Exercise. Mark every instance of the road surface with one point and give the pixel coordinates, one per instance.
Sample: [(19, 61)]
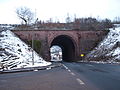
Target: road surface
[(102, 76), (70, 76)]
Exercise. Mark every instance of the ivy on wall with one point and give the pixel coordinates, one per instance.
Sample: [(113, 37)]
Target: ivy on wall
[(36, 45)]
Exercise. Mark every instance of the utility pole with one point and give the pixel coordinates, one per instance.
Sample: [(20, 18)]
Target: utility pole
[(33, 39), (32, 49)]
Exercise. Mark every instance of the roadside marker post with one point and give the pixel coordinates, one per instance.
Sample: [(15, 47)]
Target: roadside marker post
[(82, 55)]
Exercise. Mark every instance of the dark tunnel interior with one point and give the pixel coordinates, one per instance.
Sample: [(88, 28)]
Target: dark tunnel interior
[(67, 46)]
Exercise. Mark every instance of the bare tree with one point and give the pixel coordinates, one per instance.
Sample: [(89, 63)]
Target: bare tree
[(25, 14)]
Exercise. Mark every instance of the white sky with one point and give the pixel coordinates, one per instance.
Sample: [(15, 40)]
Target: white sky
[(58, 9)]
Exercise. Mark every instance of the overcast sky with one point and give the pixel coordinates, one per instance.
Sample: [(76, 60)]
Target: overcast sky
[(58, 9)]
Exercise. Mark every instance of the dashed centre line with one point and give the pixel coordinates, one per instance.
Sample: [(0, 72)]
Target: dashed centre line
[(69, 70), (72, 73), (90, 65), (78, 80), (65, 66)]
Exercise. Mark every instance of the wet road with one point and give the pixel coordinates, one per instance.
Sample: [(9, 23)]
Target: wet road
[(70, 76), (102, 76)]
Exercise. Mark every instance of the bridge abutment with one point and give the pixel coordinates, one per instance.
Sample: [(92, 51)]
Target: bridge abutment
[(45, 49), (75, 43)]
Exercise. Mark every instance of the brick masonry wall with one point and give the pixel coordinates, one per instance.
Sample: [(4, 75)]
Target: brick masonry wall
[(84, 40)]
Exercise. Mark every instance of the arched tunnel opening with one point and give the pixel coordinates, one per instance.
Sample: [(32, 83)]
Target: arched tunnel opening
[(67, 45), (56, 53)]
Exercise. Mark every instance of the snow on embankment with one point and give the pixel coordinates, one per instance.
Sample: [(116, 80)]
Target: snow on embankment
[(108, 49), (16, 54)]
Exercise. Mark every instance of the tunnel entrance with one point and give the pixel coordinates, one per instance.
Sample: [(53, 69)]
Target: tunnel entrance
[(67, 45), (56, 53)]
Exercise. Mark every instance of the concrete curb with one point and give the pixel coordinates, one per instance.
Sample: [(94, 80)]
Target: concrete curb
[(53, 65)]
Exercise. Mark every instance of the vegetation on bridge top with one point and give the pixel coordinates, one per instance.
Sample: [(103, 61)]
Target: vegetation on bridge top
[(30, 22), (77, 24)]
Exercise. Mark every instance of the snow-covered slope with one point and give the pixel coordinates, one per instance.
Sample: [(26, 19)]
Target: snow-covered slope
[(108, 49), (16, 54)]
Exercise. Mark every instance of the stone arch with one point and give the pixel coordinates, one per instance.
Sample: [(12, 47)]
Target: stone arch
[(67, 45)]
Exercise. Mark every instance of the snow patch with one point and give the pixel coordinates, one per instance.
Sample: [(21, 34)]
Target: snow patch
[(108, 49), (16, 54)]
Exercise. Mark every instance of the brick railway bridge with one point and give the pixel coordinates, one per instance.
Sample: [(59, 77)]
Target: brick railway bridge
[(72, 42)]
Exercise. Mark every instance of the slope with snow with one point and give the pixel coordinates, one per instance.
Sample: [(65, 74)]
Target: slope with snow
[(14, 53), (108, 49)]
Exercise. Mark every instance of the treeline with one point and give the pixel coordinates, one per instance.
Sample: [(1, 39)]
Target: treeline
[(93, 24), (88, 23), (29, 20), (77, 24)]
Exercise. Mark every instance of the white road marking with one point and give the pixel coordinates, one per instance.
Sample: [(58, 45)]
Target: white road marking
[(89, 65), (72, 73), (69, 70), (65, 66), (80, 81)]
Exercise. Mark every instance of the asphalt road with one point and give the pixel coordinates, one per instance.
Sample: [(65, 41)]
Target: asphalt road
[(70, 76), (102, 76)]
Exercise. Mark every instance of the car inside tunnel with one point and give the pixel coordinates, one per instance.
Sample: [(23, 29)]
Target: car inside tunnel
[(67, 46)]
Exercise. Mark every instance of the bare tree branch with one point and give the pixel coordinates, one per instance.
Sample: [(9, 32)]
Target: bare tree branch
[(25, 14)]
